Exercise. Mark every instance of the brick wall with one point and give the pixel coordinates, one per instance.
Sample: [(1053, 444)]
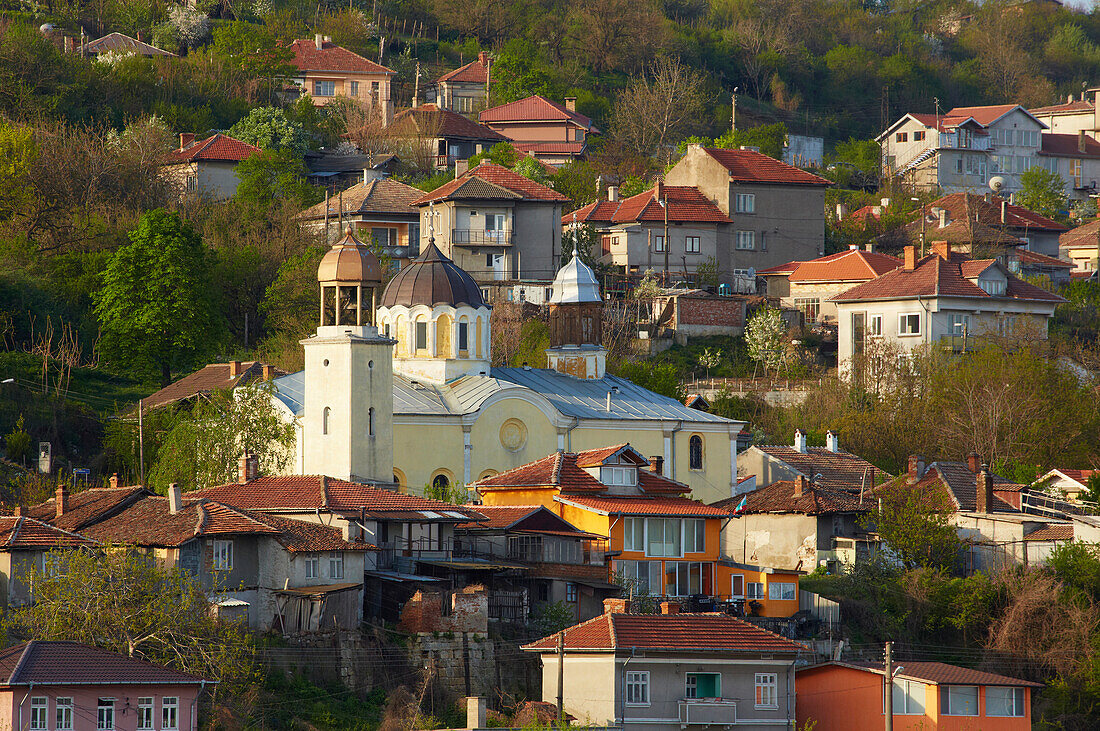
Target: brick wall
[(710, 315), (423, 612)]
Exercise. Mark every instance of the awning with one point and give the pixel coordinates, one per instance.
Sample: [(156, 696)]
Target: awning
[(472, 564), (563, 533), (319, 590), (596, 584), (399, 577)]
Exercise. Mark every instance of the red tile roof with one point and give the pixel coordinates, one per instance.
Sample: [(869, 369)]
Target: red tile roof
[(536, 109), (838, 470), (971, 218), (551, 148), (1078, 105), (215, 148), (1065, 145), (1087, 234), (1033, 257), (475, 72), (951, 486), (691, 632), (149, 522), (331, 57), (60, 663), (206, 380), (685, 204), (87, 506), (778, 497), (429, 121), (500, 517), (1052, 532), (1081, 476), (643, 505), (27, 533), (746, 166), (854, 265), (309, 493), (561, 470), (984, 116), (778, 270), (300, 535), (937, 673), (497, 177), (935, 276)]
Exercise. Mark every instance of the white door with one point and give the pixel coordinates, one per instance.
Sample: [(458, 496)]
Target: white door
[(494, 228), (498, 266)]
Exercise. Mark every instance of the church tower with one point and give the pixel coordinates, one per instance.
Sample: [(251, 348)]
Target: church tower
[(576, 313), (348, 421)]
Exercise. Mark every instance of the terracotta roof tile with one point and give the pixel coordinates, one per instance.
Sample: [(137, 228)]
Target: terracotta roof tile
[(22, 532), (501, 178), (429, 121), (952, 486), (698, 632), (561, 470), (122, 43), (1052, 532), (1066, 145), (984, 116), (971, 218), (535, 109), (331, 57), (685, 204), (149, 522), (848, 266), (475, 72), (551, 148), (1081, 476), (779, 270), (1079, 105), (215, 148), (302, 536), (87, 506), (931, 672), (643, 505), (1087, 234), (838, 470), (385, 197), (1033, 257), (60, 663), (755, 167), (778, 497), (206, 380)]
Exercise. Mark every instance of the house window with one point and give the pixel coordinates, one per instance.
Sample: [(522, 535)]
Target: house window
[(695, 452), (324, 88), (960, 324), (105, 714), (463, 336), (754, 590), (908, 698), (780, 590), (663, 537), (737, 585), (637, 688), (918, 136), (571, 593), (992, 287), (684, 578), (810, 307), (901, 137), (1075, 172), (40, 710), (646, 575), (703, 685), (746, 240), (692, 244), (958, 165), (223, 555), (1028, 137), (767, 695), (658, 243), (169, 712), (374, 87), (145, 713), (959, 700), (192, 183), (313, 567), (909, 324), (744, 203), (763, 240), (324, 419), (627, 476), (1001, 701), (421, 336), (336, 566), (874, 325), (634, 534), (354, 88), (63, 712), (695, 536)]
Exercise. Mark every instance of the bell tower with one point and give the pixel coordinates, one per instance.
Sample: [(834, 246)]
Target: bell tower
[(576, 314), (348, 420)]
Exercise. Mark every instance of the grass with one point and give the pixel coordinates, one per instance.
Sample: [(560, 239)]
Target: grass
[(102, 391)]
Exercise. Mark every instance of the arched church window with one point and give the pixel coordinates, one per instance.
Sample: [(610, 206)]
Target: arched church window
[(695, 452), (324, 419), (370, 421), (441, 482)]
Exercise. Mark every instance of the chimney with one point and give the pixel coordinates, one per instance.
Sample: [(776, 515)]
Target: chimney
[(269, 372), (910, 258), (17, 511), (984, 488), (801, 486), (328, 39), (318, 40), (141, 36), (659, 189), (62, 500), (234, 368), (252, 467), (670, 607), (616, 605), (571, 103), (613, 193), (1081, 137), (483, 58), (461, 166), (943, 217), (174, 498), (877, 211), (884, 202), (475, 710), (841, 211), (831, 441), (242, 470), (70, 44), (973, 461), (1069, 99), (186, 138), (916, 467), (1004, 210), (657, 464), (114, 480), (942, 249), (853, 247), (799, 441)]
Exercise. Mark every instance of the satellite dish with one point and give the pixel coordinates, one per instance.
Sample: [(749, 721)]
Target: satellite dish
[(996, 183)]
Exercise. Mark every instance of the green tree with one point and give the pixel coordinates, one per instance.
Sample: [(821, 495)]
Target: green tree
[(582, 240), (1092, 488), (519, 72), (270, 129), (17, 443), (770, 138), (18, 153), (125, 602), (532, 169), (766, 338), (917, 530), (270, 177), (502, 153), (254, 50), (155, 307), (1043, 192), (205, 444), (662, 378)]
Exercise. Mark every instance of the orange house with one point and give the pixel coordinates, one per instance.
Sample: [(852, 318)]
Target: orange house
[(326, 71), (662, 542), (927, 695)]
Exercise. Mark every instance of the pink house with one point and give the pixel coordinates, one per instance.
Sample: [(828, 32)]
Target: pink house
[(72, 687)]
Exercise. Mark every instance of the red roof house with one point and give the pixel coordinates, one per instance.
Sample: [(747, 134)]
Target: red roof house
[(326, 70), (208, 167), (463, 90), (552, 132)]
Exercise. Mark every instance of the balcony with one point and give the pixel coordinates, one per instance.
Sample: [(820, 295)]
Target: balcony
[(707, 711), (477, 237)]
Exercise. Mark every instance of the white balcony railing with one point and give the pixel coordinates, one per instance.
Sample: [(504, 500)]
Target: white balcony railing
[(706, 711)]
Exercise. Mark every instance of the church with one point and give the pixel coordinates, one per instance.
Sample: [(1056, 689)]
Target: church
[(398, 385)]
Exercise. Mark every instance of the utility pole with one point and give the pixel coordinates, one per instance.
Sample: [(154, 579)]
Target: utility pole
[(889, 686), (561, 676), (664, 204), (141, 444), (733, 109)]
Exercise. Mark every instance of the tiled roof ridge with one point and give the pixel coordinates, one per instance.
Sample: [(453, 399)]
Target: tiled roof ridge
[(15, 531), (559, 462), (611, 629), (200, 516), (23, 658)]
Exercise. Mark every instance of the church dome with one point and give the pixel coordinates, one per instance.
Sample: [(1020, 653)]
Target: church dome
[(432, 279), (576, 282), (349, 260)]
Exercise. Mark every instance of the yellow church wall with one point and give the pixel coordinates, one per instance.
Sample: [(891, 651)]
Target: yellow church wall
[(509, 434), (420, 449)]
